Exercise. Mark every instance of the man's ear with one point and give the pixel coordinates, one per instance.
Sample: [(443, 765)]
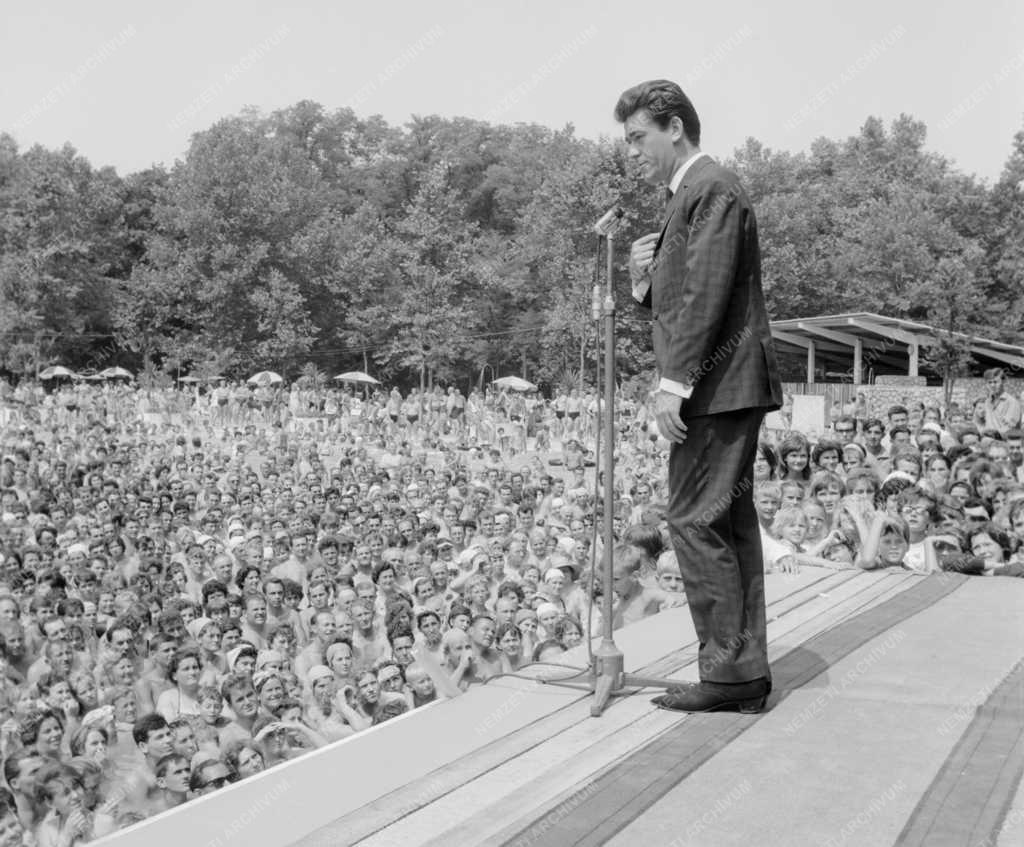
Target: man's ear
[(675, 126)]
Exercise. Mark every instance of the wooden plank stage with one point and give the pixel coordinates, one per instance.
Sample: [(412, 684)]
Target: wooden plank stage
[(897, 717)]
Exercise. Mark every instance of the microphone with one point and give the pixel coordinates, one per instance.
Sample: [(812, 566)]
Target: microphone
[(610, 221)]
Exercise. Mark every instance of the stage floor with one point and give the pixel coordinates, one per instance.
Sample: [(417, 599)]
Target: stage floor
[(897, 717)]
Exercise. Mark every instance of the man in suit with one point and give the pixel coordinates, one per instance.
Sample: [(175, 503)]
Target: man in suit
[(701, 277)]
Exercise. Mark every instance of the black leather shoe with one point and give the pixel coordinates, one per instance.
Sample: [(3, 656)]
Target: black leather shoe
[(746, 697)]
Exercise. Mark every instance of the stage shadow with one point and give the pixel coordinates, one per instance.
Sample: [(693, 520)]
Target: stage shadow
[(799, 668)]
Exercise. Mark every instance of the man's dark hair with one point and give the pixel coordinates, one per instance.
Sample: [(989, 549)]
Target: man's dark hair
[(164, 764), (146, 725), (380, 568), (399, 630), (235, 683), (647, 538), (510, 587), (663, 100), (211, 587)]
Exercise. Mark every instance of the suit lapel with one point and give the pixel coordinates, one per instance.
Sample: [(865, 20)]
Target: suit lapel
[(670, 213), (676, 203)]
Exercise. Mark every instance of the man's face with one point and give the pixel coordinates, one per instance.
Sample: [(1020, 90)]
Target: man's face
[(245, 702), (214, 777), (184, 741), (845, 431), (8, 610), (164, 653), (256, 611), (60, 657), (482, 633), (275, 595), (27, 770), (900, 439), (898, 419), (326, 626), (431, 630), (1015, 451), (651, 147), (175, 778), (995, 386), (505, 610), (402, 650), (363, 616), (158, 744)]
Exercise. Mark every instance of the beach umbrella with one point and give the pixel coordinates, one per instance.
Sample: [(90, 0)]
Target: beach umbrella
[(55, 371), (514, 383), (116, 373), (357, 376), (265, 378)]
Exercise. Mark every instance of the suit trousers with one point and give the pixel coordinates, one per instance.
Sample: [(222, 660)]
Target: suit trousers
[(714, 531)]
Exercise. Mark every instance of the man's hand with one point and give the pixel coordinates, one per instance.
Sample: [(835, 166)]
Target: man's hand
[(666, 413), (641, 256)]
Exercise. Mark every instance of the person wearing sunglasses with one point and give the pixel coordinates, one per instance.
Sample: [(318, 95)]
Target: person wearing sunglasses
[(210, 776)]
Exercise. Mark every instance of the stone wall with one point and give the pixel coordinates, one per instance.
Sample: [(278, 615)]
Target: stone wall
[(891, 391)]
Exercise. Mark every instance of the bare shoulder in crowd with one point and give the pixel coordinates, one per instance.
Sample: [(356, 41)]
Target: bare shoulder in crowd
[(202, 581)]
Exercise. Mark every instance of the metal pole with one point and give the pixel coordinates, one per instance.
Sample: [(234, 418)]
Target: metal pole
[(609, 436), (609, 676), (608, 659)]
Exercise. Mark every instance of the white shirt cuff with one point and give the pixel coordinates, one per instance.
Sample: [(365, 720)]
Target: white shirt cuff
[(673, 387), (640, 289)]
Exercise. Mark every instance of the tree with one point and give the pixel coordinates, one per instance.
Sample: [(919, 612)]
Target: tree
[(60, 247), (956, 305), (1006, 253)]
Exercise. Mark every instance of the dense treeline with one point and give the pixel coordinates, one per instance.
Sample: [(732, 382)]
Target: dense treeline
[(448, 245)]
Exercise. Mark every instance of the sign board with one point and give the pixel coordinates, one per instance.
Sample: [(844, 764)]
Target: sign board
[(809, 413)]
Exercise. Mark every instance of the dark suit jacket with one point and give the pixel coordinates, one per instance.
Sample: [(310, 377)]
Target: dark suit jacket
[(710, 323)]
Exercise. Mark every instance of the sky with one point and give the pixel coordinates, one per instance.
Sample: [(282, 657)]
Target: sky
[(127, 83)]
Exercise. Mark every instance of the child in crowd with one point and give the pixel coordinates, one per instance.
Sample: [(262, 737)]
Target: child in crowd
[(271, 579)]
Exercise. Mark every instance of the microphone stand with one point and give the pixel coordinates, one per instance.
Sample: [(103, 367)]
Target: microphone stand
[(608, 677)]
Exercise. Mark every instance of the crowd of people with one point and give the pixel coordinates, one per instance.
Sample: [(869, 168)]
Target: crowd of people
[(200, 583)]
